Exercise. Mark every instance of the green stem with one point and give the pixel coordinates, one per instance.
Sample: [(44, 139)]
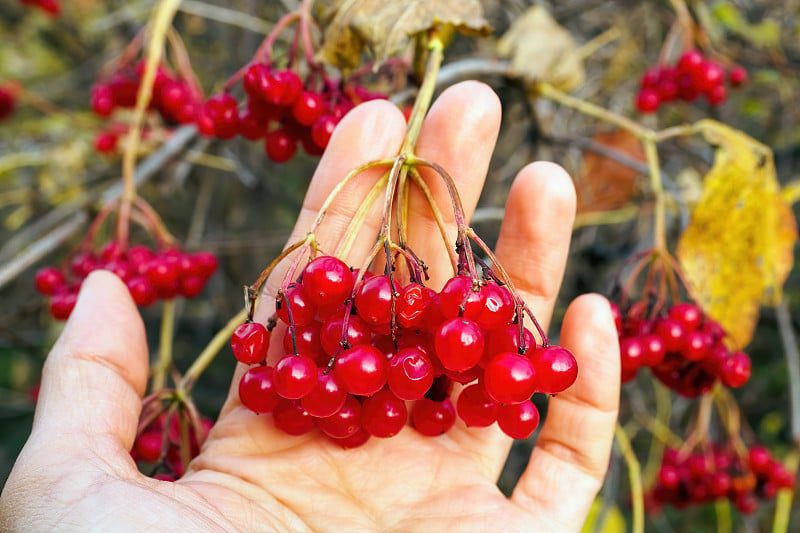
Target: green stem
[(210, 352), (164, 346), (635, 477), (722, 508), (661, 421), (360, 216), (651, 153), (437, 215), (783, 505), (425, 94)]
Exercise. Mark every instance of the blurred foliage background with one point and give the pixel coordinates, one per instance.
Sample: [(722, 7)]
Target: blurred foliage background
[(227, 197)]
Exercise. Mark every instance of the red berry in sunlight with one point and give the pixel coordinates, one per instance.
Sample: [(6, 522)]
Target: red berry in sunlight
[(330, 335), (141, 290), (344, 422), (374, 300), (458, 299), (105, 142), (411, 304), (735, 370), (653, 350), (308, 108), (499, 307), (326, 397), (303, 310), (102, 100), (433, 418), (257, 389), (510, 378), (691, 62), (476, 407), (327, 280), (631, 353), (410, 374), (519, 420), (249, 342), (648, 101), (459, 344), (322, 130), (737, 76), (294, 376), (290, 417), (689, 315), (507, 340), (672, 333), (383, 414), (556, 369), (717, 95), (49, 280), (280, 146), (361, 370)]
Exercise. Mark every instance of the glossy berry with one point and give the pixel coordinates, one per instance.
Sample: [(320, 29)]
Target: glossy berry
[(361, 370), (457, 298), (410, 374), (48, 280), (344, 422), (383, 414), (327, 281), (326, 397), (374, 300), (257, 389), (249, 342), (459, 344), (518, 421), (510, 378), (295, 376), (280, 145), (290, 417), (556, 369), (476, 407), (433, 418), (648, 101)]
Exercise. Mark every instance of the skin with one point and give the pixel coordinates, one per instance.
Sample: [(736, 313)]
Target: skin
[(75, 471)]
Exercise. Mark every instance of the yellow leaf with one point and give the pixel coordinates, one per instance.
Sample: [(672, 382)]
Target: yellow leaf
[(383, 28), (738, 247), (542, 50), (612, 521)]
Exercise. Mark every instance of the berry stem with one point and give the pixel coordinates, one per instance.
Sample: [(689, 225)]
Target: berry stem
[(651, 154), (211, 350), (416, 178), (634, 476), (255, 288), (166, 335), (264, 52), (722, 510), (160, 231), (425, 94), (358, 219), (520, 301)]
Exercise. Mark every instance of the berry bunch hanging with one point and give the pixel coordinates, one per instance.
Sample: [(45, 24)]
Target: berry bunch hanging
[(51, 7), (684, 349), (719, 473), (281, 107), (693, 75)]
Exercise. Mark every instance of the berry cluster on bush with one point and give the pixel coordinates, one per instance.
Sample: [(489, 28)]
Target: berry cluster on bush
[(720, 473), (282, 109), (149, 274), (174, 99), (684, 349), (358, 349), (160, 442), (693, 75), (51, 7)]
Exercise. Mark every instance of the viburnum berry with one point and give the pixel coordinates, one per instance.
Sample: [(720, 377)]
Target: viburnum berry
[(459, 344), (362, 370), (556, 369), (294, 376), (326, 397), (327, 280), (290, 417), (518, 420), (249, 342), (510, 378), (410, 374), (345, 422), (433, 418), (476, 407), (257, 389), (383, 414), (48, 280)]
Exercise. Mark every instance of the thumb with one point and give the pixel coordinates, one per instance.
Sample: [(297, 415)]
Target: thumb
[(95, 376)]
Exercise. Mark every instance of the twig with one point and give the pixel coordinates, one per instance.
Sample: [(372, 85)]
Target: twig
[(227, 16), (789, 341), (635, 477), (28, 254)]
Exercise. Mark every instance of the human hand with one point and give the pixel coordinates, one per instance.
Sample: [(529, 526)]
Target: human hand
[(76, 472)]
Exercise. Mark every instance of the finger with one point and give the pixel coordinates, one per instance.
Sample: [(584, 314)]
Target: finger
[(534, 239), (532, 248), (571, 456), (459, 134), (371, 131), (95, 376)]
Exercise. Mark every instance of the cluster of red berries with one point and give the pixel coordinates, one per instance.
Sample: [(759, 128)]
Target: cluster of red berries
[(51, 7), (721, 473), (693, 75), (684, 349), (282, 109), (174, 99), (7, 103), (150, 275), (358, 350), (149, 446)]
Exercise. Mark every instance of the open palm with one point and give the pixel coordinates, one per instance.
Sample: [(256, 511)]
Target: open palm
[(75, 472)]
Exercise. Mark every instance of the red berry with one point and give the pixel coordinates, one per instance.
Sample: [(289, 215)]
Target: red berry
[(476, 407), (556, 369), (49, 280), (326, 397), (307, 341), (458, 299), (303, 310), (280, 146), (308, 108), (373, 300), (433, 418), (689, 315), (361, 370), (249, 342), (327, 280), (510, 378), (410, 374), (290, 417), (648, 101), (737, 76), (411, 304), (384, 414), (499, 307), (257, 389), (518, 420), (691, 62), (62, 304), (343, 423), (295, 376), (358, 332), (141, 290), (102, 100), (148, 446), (459, 344), (322, 130)]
